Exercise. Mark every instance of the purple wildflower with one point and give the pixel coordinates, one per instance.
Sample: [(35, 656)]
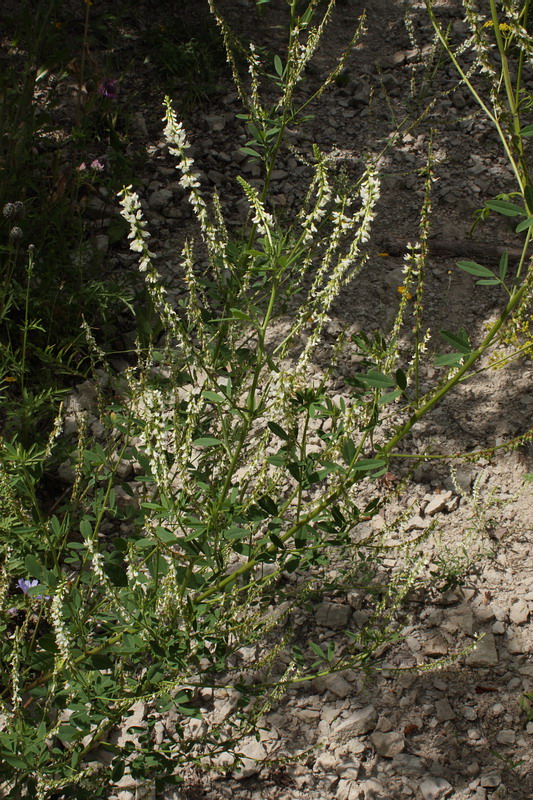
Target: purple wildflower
[(25, 586), (108, 88)]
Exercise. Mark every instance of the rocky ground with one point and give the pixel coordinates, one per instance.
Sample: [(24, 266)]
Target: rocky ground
[(456, 731)]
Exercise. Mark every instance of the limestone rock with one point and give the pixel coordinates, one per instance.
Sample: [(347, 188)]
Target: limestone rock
[(160, 199), (388, 745), (338, 686), (435, 788), (437, 503), (444, 711), (484, 654), (360, 722), (333, 615), (519, 612), (349, 790)]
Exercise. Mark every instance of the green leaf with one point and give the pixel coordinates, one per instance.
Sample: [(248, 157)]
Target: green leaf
[(526, 223), (376, 379), (277, 460), (527, 131), (167, 537), (460, 341), (207, 441), (35, 569), (504, 261), (249, 151), (327, 468), (389, 397), (489, 282), (238, 314), (48, 643), (118, 766), (214, 397), (506, 208), (278, 66), (366, 464), (449, 359), (236, 533), (278, 430), (401, 379), (475, 269), (14, 761), (116, 574), (277, 541), (268, 505), (86, 529), (68, 733), (348, 451), (317, 650)]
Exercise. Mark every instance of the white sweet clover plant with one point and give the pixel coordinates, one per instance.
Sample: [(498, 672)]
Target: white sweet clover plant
[(250, 478)]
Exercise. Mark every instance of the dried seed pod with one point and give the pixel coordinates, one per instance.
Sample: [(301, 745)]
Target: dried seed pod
[(15, 234)]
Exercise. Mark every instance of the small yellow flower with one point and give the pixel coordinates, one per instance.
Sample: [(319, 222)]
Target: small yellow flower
[(403, 290), (503, 26), (384, 255), (10, 379)]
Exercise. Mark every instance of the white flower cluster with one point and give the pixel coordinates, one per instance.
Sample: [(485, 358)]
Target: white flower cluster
[(97, 560), (178, 144), (168, 593), (320, 297), (155, 439), (324, 192), (262, 219), (180, 477), (300, 54), (16, 697), (131, 211), (481, 44), (58, 623), (254, 68), (137, 578)]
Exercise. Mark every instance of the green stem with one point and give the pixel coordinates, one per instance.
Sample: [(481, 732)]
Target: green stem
[(466, 80), (459, 375), (26, 318)]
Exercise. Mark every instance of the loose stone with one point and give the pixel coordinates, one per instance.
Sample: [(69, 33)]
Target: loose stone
[(519, 612), (435, 788), (444, 710), (358, 723), (484, 654), (491, 779), (333, 615), (506, 737), (388, 745)]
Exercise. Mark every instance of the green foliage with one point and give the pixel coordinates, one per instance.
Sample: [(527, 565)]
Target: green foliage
[(227, 480), (190, 57), (54, 120)]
